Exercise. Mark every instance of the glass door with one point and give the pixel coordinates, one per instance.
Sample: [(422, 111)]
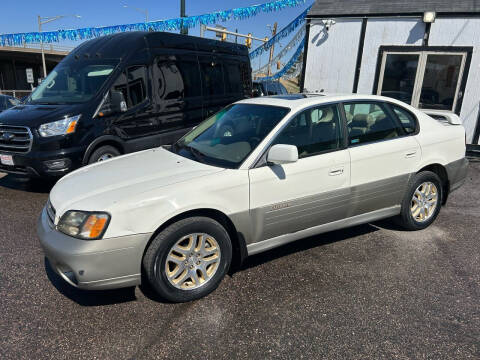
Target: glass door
[(424, 79), (441, 81)]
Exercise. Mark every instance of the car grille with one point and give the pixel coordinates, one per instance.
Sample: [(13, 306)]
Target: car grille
[(51, 213), (17, 139)]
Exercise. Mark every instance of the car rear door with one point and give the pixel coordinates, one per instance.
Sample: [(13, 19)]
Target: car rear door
[(383, 156), (310, 192)]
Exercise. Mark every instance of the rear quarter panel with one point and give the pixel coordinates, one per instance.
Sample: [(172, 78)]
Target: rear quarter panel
[(440, 143)]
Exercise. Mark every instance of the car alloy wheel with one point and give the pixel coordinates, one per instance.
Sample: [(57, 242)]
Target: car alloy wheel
[(192, 261), (105, 157), (424, 201)]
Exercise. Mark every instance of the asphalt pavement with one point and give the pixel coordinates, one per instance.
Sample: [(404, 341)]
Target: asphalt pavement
[(372, 291)]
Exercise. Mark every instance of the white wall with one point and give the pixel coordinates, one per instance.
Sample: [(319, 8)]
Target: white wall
[(463, 32), (384, 32), (332, 56)]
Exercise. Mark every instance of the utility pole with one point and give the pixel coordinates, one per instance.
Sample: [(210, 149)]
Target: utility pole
[(183, 29), (46, 20), (274, 32)]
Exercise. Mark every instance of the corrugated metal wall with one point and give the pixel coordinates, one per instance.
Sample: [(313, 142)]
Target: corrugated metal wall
[(332, 56), (386, 32), (463, 32)]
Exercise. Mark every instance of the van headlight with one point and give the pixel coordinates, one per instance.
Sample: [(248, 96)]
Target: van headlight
[(84, 225), (60, 127)]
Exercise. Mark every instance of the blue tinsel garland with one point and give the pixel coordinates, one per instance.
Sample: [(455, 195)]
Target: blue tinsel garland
[(288, 65), (281, 34), (161, 25)]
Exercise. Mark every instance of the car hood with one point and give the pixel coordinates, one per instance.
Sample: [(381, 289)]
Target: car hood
[(36, 115), (100, 186)]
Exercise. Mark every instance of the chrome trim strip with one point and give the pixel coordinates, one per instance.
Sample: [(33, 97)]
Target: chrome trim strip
[(339, 224), (25, 149)]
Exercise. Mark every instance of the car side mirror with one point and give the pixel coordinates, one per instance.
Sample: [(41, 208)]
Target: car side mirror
[(117, 102), (282, 154)]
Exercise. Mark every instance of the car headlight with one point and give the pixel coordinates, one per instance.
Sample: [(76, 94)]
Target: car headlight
[(60, 127), (84, 224)]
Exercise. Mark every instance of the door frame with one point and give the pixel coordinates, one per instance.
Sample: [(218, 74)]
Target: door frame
[(423, 52)]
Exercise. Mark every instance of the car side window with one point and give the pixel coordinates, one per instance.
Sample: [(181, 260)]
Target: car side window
[(406, 119), (177, 79), (313, 131), (132, 84), (233, 79), (368, 122), (212, 78)]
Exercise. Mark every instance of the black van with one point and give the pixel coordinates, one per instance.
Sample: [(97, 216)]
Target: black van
[(121, 93)]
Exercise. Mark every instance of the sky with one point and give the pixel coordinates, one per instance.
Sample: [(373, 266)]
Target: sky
[(22, 16)]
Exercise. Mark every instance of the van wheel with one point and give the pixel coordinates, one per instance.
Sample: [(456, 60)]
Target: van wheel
[(422, 201), (188, 259), (103, 153)]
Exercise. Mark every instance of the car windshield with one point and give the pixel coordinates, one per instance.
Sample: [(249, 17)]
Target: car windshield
[(228, 137), (73, 82)]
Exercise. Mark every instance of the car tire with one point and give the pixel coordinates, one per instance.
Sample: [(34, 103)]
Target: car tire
[(103, 153), (172, 247), (418, 200)]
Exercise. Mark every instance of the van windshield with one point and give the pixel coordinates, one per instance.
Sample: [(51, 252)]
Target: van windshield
[(228, 137), (73, 82)]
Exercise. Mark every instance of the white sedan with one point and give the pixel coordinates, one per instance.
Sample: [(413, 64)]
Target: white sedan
[(259, 174)]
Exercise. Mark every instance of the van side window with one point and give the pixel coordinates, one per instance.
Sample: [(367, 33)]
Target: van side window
[(246, 79), (406, 118), (212, 78), (369, 122), (233, 79), (177, 79), (136, 85), (313, 131), (132, 84)]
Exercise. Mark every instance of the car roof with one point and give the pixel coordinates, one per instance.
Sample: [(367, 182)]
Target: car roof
[(302, 100), (122, 44)]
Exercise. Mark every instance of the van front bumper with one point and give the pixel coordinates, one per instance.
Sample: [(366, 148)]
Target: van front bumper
[(93, 264), (38, 163)]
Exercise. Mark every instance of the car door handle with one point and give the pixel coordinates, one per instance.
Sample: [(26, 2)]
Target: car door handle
[(411, 154), (336, 171)]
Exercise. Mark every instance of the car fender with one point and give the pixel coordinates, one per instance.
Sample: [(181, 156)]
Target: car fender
[(99, 140)]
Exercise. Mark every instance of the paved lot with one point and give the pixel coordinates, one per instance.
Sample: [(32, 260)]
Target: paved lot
[(367, 292)]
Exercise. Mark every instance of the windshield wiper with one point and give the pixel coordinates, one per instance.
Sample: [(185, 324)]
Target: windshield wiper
[(198, 154)]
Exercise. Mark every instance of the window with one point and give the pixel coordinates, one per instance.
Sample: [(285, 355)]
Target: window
[(228, 137), (424, 79), (406, 119), (233, 79), (399, 76), (440, 81), (73, 82), (177, 79), (132, 85), (212, 76), (367, 122), (313, 131)]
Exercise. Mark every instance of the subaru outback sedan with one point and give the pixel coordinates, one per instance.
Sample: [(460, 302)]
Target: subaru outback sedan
[(259, 174)]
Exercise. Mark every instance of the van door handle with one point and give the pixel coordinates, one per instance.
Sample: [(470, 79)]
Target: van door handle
[(411, 154), (336, 171)]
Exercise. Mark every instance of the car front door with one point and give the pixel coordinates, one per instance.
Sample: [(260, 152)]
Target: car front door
[(383, 155), (310, 192)]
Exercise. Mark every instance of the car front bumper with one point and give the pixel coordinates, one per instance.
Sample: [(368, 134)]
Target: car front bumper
[(34, 163), (93, 264)]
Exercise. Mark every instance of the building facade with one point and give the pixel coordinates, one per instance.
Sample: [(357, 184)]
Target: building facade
[(13, 64), (426, 53)]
